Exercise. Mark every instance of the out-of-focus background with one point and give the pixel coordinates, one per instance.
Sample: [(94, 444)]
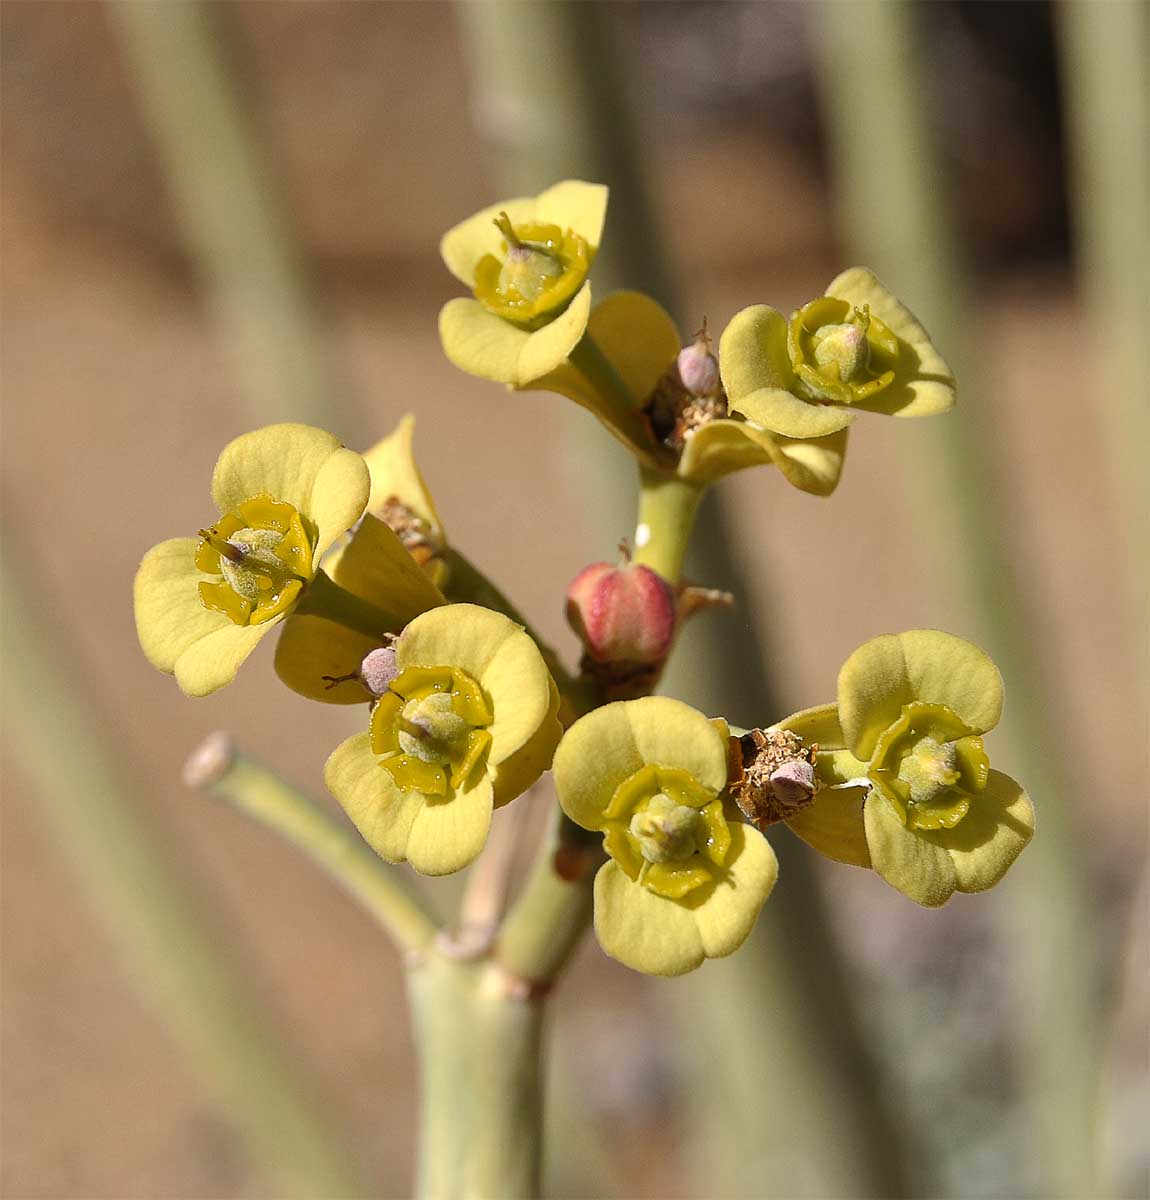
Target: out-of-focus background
[(1004, 1034)]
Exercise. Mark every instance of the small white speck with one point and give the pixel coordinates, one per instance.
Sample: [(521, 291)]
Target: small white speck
[(642, 534)]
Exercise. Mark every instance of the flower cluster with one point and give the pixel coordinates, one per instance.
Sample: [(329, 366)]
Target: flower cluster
[(464, 710)]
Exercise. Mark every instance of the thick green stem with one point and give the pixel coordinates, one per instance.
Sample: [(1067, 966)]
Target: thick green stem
[(667, 509), (478, 1035), (219, 767), (325, 598)]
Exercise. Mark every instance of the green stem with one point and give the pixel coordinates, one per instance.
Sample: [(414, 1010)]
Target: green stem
[(667, 509), (893, 210), (478, 1036), (219, 767), (554, 909), (134, 884), (466, 583), (323, 597), (224, 195)]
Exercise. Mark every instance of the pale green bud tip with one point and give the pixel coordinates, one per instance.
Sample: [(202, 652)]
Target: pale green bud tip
[(430, 729), (844, 346), (665, 830)]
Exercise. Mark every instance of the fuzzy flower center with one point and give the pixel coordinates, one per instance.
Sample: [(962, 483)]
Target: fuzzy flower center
[(666, 831), (929, 766), (540, 270), (840, 354), (430, 729), (261, 557)]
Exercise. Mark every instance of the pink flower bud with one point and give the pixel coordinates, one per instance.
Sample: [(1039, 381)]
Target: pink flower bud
[(378, 669), (622, 613), (698, 367)]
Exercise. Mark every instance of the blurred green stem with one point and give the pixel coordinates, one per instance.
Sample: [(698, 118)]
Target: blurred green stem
[(221, 188), (219, 767), (667, 509), (893, 215), (96, 819)]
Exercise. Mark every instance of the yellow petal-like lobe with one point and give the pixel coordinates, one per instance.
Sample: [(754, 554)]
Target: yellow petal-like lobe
[(833, 825), (818, 725), (516, 774), (179, 636), (753, 353), (465, 244), (489, 347), (376, 566), (546, 348), (727, 912), (307, 468), (922, 664), (784, 413), (379, 810), (916, 865), (498, 655), (643, 930), (813, 465), (212, 662), (610, 744), (311, 647), (394, 472), (169, 615), (720, 447), (447, 835), (576, 205), (923, 384), (991, 836)]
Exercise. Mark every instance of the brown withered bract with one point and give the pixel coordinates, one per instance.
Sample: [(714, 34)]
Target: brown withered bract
[(413, 531), (758, 756), (674, 413)]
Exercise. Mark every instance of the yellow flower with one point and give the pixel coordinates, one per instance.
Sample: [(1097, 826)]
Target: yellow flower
[(906, 784), (526, 261), (856, 347), (686, 878), (467, 724), (641, 342), (285, 493)]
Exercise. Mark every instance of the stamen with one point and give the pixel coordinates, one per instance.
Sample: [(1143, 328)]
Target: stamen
[(222, 546), (503, 224)]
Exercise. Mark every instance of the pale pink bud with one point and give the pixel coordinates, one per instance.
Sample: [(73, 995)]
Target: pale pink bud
[(794, 782), (622, 613), (378, 669), (699, 368)]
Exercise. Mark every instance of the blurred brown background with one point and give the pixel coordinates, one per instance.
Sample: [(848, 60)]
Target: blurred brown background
[(118, 396)]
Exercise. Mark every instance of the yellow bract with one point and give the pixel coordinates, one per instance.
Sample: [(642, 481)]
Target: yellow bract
[(686, 878), (285, 493), (468, 724), (906, 784), (526, 261)]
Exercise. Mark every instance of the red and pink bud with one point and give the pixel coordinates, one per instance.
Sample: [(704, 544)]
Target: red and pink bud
[(623, 613)]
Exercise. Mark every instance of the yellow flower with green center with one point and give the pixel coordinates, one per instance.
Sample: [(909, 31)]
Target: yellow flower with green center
[(905, 782), (686, 877), (856, 347), (641, 341), (468, 723), (526, 261), (285, 493)]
